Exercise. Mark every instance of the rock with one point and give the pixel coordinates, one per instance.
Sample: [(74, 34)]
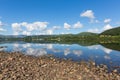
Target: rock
[(115, 71), (17, 66)]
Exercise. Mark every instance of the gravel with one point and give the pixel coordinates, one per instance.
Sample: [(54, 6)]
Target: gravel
[(17, 66)]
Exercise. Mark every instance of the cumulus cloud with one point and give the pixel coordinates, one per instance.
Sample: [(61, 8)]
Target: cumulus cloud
[(30, 26), (74, 26), (16, 27), (107, 20), (36, 26), (106, 27), (89, 14), (93, 30), (26, 33), (27, 28), (67, 26), (78, 25), (49, 32)]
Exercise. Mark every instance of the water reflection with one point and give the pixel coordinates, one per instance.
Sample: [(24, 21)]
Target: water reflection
[(107, 57), (76, 52), (94, 47), (66, 51), (27, 45), (113, 46), (107, 51), (2, 48), (36, 52)]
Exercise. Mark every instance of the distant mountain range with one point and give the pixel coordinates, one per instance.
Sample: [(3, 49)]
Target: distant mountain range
[(12, 36), (112, 32)]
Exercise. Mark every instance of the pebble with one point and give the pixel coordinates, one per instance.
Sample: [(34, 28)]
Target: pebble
[(16, 66)]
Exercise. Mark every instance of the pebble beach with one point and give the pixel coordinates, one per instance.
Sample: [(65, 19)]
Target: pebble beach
[(17, 66)]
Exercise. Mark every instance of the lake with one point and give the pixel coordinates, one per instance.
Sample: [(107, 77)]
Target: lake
[(75, 52)]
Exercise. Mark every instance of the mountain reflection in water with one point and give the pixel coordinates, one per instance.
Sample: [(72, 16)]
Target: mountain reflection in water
[(100, 53)]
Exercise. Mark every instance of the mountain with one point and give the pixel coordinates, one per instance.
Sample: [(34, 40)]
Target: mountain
[(112, 32), (87, 34), (12, 36)]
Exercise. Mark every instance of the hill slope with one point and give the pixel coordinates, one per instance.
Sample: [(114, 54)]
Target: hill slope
[(87, 34), (112, 32)]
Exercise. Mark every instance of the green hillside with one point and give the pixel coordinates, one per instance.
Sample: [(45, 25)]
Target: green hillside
[(87, 34), (112, 32)]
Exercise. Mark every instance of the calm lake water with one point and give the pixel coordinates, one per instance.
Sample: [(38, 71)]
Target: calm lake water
[(97, 53)]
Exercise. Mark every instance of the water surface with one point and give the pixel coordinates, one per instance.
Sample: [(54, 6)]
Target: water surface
[(76, 52)]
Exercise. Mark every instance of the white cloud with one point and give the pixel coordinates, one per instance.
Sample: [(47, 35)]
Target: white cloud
[(106, 27), (36, 26), (78, 25), (26, 33), (45, 32), (27, 28), (107, 20), (16, 27), (49, 32), (93, 30), (67, 26), (89, 14)]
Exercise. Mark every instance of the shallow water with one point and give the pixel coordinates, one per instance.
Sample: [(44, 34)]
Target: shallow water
[(76, 52)]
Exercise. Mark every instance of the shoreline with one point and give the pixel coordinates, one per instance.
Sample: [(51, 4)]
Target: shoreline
[(16, 65)]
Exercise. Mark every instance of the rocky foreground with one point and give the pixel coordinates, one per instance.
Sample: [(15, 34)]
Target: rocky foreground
[(16, 66)]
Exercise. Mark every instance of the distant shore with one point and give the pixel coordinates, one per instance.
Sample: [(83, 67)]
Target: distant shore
[(18, 66)]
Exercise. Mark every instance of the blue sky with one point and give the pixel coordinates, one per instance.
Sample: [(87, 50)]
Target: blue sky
[(39, 17)]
